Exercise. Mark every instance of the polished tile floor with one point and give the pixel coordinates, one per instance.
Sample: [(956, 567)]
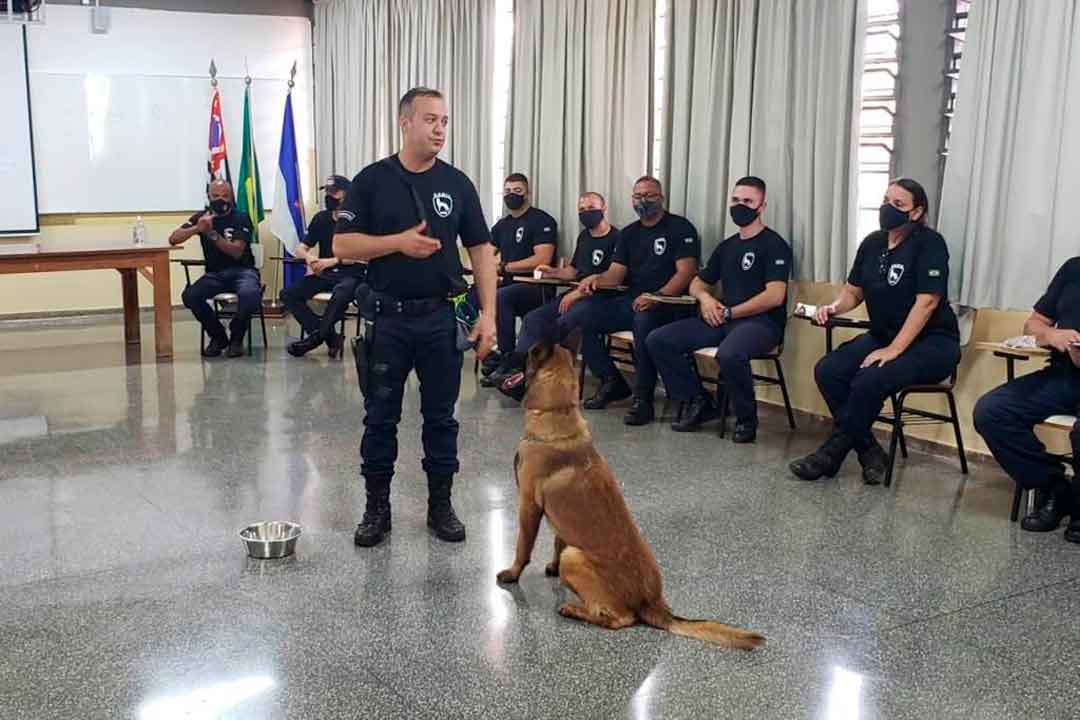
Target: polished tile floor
[(125, 592)]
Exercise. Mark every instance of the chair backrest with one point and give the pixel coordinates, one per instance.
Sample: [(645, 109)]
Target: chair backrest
[(257, 253), (965, 318)]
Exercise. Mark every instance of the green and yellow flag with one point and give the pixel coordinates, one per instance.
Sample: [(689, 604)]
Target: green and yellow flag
[(248, 191)]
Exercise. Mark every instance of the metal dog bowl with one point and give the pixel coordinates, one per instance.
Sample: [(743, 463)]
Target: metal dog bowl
[(271, 540)]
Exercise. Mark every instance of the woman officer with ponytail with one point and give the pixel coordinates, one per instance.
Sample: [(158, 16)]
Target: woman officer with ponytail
[(902, 273)]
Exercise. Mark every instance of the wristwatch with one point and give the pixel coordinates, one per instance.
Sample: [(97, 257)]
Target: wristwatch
[(727, 314)]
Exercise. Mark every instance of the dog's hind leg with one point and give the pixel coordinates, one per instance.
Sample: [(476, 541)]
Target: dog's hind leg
[(599, 605), (552, 569)]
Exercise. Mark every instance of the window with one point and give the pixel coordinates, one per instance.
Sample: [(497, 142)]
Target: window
[(878, 111), (500, 106), (659, 79), (957, 33)]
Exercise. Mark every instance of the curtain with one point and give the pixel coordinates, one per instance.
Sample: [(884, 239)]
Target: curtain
[(1010, 176), (767, 88), (580, 113), (368, 53)]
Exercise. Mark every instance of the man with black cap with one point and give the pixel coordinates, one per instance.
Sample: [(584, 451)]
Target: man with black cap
[(225, 235), (325, 273), (525, 239), (404, 215)]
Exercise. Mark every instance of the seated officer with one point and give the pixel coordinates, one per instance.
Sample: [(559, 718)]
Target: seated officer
[(325, 273), (592, 255), (657, 254), (902, 272), (1006, 417), (225, 235), (524, 240), (752, 267)]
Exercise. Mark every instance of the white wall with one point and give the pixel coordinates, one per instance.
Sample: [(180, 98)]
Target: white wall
[(121, 119)]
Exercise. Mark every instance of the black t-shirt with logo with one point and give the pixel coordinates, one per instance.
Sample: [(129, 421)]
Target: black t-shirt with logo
[(385, 198), (743, 267), (234, 226), (649, 253), (321, 232), (890, 280), (1061, 303), (593, 254), (517, 237)]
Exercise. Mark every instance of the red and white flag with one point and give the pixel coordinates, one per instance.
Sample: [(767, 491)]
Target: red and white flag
[(218, 164)]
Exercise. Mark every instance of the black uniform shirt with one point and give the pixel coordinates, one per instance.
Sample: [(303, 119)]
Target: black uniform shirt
[(1061, 303), (890, 280), (385, 198), (234, 226), (517, 237), (649, 253), (321, 232), (743, 267), (593, 254)]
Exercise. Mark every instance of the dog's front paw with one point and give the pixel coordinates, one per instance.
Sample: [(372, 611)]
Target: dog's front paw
[(508, 576)]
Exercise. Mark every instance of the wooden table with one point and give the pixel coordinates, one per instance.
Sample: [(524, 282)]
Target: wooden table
[(1012, 355), (836, 321), (670, 299), (549, 286), (92, 252)]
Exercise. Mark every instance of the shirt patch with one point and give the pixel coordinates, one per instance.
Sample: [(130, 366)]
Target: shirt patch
[(895, 273), (443, 204), (781, 261), (547, 229), (659, 245), (748, 260), (597, 257), (519, 234), (934, 273), (346, 215), (689, 240)]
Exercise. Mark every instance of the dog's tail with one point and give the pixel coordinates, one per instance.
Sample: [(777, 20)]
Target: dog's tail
[(713, 632)]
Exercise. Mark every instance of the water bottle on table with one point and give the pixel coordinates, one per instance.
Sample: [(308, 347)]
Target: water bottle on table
[(138, 231)]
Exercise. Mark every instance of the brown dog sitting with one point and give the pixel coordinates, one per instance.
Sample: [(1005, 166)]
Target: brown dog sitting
[(599, 553)]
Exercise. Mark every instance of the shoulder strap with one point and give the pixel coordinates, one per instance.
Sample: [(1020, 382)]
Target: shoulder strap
[(421, 214)]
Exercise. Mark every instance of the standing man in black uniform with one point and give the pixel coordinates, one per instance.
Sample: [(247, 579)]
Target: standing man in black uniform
[(325, 273), (525, 239), (225, 235), (404, 215), (657, 254), (752, 267)]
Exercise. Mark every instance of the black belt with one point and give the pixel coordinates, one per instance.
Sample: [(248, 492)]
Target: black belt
[(389, 305)]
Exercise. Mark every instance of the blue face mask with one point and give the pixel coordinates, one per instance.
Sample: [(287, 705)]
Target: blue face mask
[(646, 208), (890, 217)]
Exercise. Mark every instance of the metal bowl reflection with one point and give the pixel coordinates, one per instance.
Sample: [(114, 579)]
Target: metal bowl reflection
[(271, 540)]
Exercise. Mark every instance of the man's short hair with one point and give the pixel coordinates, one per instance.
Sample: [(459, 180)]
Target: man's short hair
[(220, 181), (405, 107), (752, 181), (650, 179), (593, 194), (517, 177)]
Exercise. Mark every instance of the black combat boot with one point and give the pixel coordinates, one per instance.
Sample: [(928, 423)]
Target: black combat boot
[(695, 413), (1055, 505), (875, 463), (441, 516), (826, 460), (376, 523), (612, 389)]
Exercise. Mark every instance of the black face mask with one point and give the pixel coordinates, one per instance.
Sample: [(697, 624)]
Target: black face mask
[(742, 215), (891, 218), (646, 208), (514, 201), (332, 203), (591, 218), (220, 207)]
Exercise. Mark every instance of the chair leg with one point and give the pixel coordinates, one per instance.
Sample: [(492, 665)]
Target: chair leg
[(900, 430), (722, 397), (1018, 497), (250, 331), (581, 378), (784, 392), (956, 429), (896, 438)]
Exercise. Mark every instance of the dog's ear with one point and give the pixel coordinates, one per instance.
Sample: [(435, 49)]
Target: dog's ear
[(539, 354), (573, 341)]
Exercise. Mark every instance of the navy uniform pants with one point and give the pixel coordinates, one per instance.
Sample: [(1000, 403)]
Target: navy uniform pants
[(545, 322), (340, 283), (1006, 418), (671, 349), (856, 395), (602, 315), (242, 281), (512, 300), (402, 344)]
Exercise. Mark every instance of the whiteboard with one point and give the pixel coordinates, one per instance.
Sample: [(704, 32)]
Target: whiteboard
[(18, 194), (121, 119)]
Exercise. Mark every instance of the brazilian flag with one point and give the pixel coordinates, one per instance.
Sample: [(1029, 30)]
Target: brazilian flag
[(248, 191)]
